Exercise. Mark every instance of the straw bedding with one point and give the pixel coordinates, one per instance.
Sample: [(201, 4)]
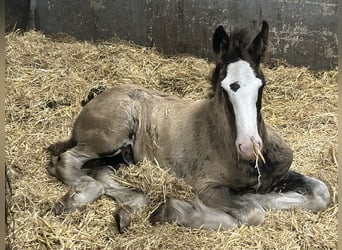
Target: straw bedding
[(47, 77)]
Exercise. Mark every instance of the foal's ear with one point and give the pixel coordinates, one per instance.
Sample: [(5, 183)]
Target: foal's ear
[(260, 42), (220, 41)]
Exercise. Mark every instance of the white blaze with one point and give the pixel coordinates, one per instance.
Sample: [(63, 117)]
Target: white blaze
[(244, 101)]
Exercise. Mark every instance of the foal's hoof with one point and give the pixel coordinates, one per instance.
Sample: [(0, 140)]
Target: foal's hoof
[(158, 215), (65, 205), (123, 219)]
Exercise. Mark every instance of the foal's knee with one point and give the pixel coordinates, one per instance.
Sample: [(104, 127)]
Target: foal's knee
[(320, 196), (255, 216)]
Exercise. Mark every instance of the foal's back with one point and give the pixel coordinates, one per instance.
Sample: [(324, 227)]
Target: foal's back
[(153, 122)]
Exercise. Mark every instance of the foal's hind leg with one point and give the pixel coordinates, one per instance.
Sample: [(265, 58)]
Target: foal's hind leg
[(296, 190), (84, 189), (129, 200)]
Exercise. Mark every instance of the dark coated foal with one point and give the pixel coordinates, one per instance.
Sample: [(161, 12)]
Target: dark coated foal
[(237, 165)]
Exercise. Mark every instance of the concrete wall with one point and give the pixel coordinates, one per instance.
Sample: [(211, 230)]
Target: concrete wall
[(16, 14), (304, 32)]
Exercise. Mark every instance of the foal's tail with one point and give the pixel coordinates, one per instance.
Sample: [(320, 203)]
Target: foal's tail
[(60, 147)]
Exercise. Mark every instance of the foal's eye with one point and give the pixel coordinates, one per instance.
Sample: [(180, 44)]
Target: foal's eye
[(234, 86)]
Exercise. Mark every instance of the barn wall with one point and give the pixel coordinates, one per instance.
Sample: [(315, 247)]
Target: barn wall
[(16, 14), (304, 32)]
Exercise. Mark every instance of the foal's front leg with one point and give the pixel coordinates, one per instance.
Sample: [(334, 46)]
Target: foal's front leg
[(217, 207), (283, 188), (296, 190), (194, 214)]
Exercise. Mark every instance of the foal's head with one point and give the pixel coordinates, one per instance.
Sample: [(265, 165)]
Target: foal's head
[(237, 74)]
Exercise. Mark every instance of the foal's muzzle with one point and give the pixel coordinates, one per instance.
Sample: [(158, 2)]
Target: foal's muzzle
[(247, 147)]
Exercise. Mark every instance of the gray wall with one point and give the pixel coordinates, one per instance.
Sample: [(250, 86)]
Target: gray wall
[(304, 32), (16, 14)]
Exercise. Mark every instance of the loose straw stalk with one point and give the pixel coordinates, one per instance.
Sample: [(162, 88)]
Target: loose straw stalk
[(258, 154)]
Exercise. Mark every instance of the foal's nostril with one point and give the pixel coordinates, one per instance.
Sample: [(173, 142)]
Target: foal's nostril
[(240, 145)]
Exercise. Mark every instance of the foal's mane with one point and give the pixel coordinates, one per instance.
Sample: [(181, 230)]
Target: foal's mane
[(239, 39)]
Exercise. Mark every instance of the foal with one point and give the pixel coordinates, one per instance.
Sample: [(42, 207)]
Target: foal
[(213, 144)]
